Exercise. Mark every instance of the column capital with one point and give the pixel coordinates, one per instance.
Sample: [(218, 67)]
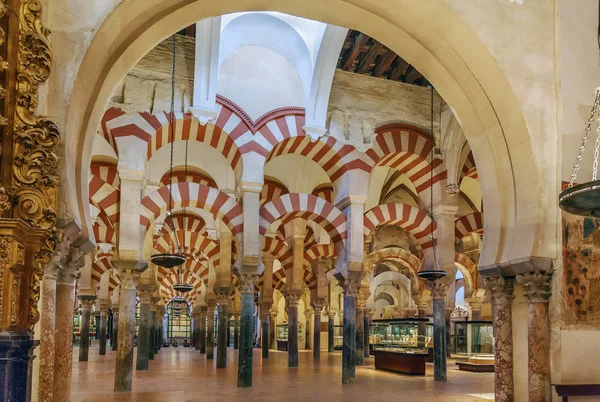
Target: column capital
[(248, 282), (475, 303), (223, 295), (293, 299), (145, 293), (129, 272), (87, 302), (71, 264), (438, 289), (308, 313), (501, 288), (537, 285), (318, 305), (350, 282)]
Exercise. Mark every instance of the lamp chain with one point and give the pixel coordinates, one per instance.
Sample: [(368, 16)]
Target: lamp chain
[(588, 128)]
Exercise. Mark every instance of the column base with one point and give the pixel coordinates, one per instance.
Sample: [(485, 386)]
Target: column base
[(15, 357)]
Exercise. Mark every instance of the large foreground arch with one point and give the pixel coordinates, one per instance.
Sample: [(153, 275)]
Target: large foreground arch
[(450, 55)]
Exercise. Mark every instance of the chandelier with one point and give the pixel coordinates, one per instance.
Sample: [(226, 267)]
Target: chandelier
[(175, 257), (436, 272), (584, 199)]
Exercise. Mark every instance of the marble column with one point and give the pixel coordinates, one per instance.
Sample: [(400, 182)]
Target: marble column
[(272, 327), (47, 332), (293, 299), (537, 289), (330, 330), (247, 282), (350, 286), (318, 310), (143, 343), (264, 320), (210, 335), (129, 275), (475, 304), (152, 330), (63, 340), (102, 327), (86, 312), (501, 296), (438, 291), (422, 325), (236, 331), (367, 325), (196, 334), (360, 332), (223, 300), (115, 327), (202, 329), (308, 315)]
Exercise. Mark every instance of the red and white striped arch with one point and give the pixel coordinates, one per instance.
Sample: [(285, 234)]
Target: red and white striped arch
[(107, 172), (473, 275), (276, 249), (305, 206), (101, 264), (180, 176), (407, 149), (325, 191), (193, 195), (271, 190), (105, 232), (468, 224), (188, 222), (319, 251), (195, 243), (409, 218), (469, 169)]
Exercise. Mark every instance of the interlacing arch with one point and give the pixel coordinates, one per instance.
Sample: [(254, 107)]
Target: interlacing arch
[(408, 259), (408, 150), (104, 191), (195, 242), (319, 251), (277, 249), (193, 195), (101, 264), (468, 224), (409, 218), (272, 189), (305, 206)]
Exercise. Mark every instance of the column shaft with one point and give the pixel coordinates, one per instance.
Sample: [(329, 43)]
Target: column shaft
[(265, 335), (47, 337), (539, 352), (293, 334), (115, 329), (366, 345), (197, 332), (151, 333), (202, 333), (222, 336), (421, 328), (317, 336), (210, 335), (103, 322), (84, 339), (143, 343), (246, 334), (504, 387), (439, 340), (349, 345), (124, 361), (63, 352), (360, 334), (236, 334)]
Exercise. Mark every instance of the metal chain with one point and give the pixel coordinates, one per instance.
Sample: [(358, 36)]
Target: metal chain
[(172, 139), (435, 259), (596, 150), (584, 141)]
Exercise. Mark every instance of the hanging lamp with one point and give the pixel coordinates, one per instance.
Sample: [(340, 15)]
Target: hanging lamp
[(435, 273), (584, 199), (175, 257)]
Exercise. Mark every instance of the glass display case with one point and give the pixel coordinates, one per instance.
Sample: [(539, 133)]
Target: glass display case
[(401, 333), (474, 345), (338, 337), (281, 336)]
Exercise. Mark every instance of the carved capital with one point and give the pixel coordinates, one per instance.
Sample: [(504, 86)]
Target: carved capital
[(438, 289), (87, 302), (318, 305), (248, 282), (501, 288), (223, 295), (537, 285), (293, 299)]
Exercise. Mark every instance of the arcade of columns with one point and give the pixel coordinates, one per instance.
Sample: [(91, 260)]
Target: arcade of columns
[(314, 241)]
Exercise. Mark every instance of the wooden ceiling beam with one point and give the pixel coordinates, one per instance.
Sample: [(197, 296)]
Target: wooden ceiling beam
[(385, 63), (399, 67), (354, 51), (412, 75), (369, 59)]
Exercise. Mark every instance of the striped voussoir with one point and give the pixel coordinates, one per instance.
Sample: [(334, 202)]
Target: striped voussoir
[(196, 243), (468, 168), (193, 195), (319, 251), (105, 232), (271, 190), (305, 206), (409, 218), (398, 254), (101, 265), (276, 248), (324, 191), (407, 149), (469, 265), (180, 176), (468, 224)]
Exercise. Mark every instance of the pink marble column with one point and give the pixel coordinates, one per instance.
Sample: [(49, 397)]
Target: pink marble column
[(63, 340), (47, 332), (537, 289), (501, 293)]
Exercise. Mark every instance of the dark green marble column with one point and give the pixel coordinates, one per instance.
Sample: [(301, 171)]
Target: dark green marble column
[(293, 300), (103, 322), (308, 315), (366, 346), (86, 310), (360, 333), (330, 330), (272, 327), (236, 332), (317, 332), (439, 333), (264, 320), (152, 330), (349, 340), (210, 332), (115, 328), (143, 343), (223, 296), (196, 334), (246, 330), (202, 329)]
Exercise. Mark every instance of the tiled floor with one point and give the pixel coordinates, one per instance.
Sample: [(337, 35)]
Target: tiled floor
[(178, 375)]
